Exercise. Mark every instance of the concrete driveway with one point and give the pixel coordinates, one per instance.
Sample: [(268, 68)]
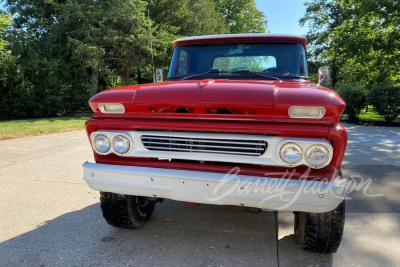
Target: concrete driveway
[(49, 216)]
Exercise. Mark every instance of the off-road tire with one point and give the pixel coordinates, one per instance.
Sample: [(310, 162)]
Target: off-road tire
[(128, 212), (320, 232)]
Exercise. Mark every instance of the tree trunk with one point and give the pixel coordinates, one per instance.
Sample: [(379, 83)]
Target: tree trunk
[(334, 76), (139, 77), (126, 74), (94, 80)]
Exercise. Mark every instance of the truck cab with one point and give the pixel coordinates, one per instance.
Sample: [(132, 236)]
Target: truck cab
[(237, 122)]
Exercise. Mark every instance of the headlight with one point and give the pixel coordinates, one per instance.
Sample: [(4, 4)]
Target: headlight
[(291, 153), (121, 144), (317, 155), (112, 108), (307, 112), (102, 143)]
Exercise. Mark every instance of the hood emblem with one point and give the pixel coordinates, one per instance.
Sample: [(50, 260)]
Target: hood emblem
[(203, 83)]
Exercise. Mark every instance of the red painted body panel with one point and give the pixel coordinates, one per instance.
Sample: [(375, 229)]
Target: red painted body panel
[(275, 129), (266, 101)]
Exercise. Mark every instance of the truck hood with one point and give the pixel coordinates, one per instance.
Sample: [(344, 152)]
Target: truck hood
[(222, 100)]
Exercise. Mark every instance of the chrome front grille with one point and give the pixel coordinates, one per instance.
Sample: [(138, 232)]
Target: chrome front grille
[(205, 145)]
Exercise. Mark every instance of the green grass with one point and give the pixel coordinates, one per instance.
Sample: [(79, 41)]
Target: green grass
[(22, 128), (370, 116)]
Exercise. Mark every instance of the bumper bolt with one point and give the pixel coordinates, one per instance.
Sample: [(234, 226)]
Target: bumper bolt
[(321, 195), (152, 179)]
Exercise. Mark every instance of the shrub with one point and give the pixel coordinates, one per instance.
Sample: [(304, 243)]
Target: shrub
[(355, 96), (386, 101)]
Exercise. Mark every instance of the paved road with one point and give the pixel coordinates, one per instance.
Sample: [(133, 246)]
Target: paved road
[(49, 217)]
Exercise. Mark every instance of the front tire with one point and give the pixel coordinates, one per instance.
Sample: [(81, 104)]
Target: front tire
[(320, 232), (128, 212)]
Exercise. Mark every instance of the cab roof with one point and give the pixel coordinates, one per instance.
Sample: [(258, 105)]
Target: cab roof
[(253, 37)]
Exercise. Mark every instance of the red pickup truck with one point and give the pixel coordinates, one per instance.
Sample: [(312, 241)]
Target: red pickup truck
[(237, 123)]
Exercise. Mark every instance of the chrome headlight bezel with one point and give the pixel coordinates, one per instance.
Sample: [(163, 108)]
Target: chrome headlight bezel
[(321, 147), (287, 146), (97, 148), (127, 148)]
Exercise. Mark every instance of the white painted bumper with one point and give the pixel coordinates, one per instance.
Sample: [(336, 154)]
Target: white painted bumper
[(216, 188)]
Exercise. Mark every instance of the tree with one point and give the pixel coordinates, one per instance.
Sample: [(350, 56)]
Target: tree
[(106, 35), (355, 96), (66, 49), (386, 101), (359, 39), (4, 23), (175, 19), (51, 83), (61, 52), (242, 16), (8, 73)]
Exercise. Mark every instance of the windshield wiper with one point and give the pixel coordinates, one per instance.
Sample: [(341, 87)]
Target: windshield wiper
[(216, 71), (255, 73)]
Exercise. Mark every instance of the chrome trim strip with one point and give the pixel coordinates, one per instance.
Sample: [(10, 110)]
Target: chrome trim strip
[(205, 140), (206, 146)]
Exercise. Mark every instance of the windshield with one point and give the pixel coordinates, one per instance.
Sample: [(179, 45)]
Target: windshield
[(283, 60)]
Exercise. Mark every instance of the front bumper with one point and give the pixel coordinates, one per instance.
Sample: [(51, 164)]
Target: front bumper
[(216, 188)]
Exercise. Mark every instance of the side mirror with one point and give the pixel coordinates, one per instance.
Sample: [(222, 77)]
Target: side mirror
[(159, 75), (324, 75)]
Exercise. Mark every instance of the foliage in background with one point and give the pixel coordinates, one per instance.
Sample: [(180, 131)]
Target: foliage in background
[(242, 16), (4, 23), (9, 75), (57, 53), (386, 101), (175, 19), (355, 95), (359, 39)]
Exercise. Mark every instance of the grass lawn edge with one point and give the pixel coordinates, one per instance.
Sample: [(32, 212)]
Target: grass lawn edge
[(16, 129)]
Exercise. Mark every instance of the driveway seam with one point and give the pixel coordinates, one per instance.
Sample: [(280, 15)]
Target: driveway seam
[(277, 236)]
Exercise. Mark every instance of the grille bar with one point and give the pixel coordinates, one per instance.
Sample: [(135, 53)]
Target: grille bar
[(205, 145), (223, 141)]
